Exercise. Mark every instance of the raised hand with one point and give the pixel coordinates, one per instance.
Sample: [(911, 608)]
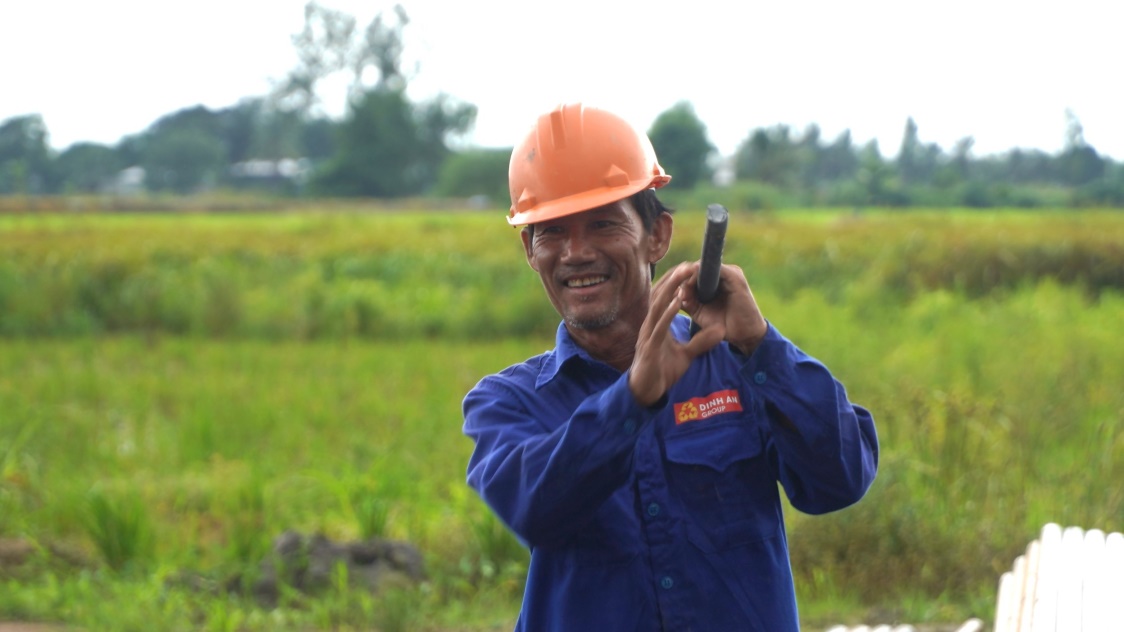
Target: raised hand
[(660, 359), (734, 309)]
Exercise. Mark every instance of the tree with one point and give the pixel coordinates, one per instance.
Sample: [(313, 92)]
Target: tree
[(389, 148), (909, 153), (376, 156), (874, 175), (239, 128), (809, 155), (323, 48), (330, 43), (839, 160), (1023, 166), (196, 119), (187, 150), (318, 138), (87, 167), (680, 141), (768, 155), (183, 161), (962, 158), (381, 48), (475, 172), (25, 158), (440, 119), (1080, 164), (387, 145), (279, 134), (917, 162)]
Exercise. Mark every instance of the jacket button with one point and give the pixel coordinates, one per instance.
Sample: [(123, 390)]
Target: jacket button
[(759, 377), (629, 426), (666, 583), (654, 509)]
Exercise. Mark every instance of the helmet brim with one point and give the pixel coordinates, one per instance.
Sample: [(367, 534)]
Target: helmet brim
[(581, 202)]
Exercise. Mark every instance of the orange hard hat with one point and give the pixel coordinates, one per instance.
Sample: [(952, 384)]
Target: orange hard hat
[(575, 159)]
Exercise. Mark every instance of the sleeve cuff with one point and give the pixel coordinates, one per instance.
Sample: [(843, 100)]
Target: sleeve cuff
[(771, 363), (619, 404)]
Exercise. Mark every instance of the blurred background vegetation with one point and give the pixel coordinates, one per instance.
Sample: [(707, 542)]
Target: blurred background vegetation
[(176, 389), (387, 146)]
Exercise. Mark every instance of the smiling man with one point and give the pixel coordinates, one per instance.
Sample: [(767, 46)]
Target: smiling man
[(640, 464)]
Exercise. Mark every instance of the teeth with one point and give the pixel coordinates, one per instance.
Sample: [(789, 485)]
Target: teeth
[(586, 281)]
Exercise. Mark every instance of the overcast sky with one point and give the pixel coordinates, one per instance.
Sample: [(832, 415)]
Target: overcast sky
[(1003, 72)]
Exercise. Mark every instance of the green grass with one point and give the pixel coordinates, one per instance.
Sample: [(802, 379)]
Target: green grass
[(995, 416), (173, 395), (223, 445), (392, 275)]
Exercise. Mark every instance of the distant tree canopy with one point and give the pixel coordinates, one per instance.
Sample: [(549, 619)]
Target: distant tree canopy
[(838, 173), (389, 148), (476, 172), (680, 141), (25, 157), (195, 148), (86, 167), (387, 145), (916, 161)]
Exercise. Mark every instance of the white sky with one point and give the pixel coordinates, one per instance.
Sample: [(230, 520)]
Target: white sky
[(1003, 72)]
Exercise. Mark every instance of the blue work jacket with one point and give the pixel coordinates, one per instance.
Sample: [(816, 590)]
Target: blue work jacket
[(669, 517)]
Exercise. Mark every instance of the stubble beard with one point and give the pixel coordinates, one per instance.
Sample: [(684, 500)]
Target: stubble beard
[(590, 323)]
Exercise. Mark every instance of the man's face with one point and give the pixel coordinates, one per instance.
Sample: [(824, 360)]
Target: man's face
[(594, 265)]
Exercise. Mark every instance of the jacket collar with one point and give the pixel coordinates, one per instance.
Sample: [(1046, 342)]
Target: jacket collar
[(565, 350)]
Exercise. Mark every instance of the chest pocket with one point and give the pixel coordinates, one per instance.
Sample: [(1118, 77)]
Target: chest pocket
[(720, 473)]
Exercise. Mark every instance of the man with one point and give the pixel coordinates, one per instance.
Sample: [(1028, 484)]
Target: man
[(638, 463)]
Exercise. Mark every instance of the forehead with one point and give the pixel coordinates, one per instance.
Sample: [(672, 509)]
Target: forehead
[(621, 209)]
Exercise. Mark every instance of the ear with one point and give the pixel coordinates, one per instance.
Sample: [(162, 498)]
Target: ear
[(527, 235), (659, 240)]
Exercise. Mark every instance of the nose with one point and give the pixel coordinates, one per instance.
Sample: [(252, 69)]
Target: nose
[(577, 248)]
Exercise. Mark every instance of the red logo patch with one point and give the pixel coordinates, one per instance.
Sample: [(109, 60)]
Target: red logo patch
[(702, 407)]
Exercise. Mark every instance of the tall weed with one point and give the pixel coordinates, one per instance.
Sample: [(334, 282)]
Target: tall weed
[(121, 529)]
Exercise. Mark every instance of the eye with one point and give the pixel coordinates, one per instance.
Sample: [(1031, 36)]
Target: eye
[(603, 223), (551, 230)]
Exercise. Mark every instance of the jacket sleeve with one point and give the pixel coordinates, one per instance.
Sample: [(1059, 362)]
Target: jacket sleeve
[(545, 478), (826, 447)]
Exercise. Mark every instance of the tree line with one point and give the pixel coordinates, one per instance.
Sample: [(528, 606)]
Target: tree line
[(388, 146)]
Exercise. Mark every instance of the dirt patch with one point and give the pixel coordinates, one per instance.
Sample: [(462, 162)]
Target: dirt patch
[(14, 552)]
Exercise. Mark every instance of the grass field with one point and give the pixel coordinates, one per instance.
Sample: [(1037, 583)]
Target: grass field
[(176, 390)]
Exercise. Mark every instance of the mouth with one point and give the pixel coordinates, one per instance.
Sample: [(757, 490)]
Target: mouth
[(586, 281)]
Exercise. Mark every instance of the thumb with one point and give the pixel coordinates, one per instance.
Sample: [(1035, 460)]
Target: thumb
[(705, 339)]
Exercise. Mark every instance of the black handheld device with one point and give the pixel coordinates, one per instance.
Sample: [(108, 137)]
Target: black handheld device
[(714, 240)]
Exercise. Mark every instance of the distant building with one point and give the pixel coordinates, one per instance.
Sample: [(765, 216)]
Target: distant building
[(270, 173), (127, 182), (723, 171)]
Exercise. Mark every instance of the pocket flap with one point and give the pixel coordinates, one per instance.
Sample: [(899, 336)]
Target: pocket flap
[(714, 445)]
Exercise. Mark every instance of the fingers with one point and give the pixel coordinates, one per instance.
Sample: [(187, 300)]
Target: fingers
[(676, 276), (665, 304), (671, 308), (682, 278), (705, 340), (668, 287), (732, 278)]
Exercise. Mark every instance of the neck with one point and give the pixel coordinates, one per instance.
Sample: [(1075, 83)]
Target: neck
[(614, 344)]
